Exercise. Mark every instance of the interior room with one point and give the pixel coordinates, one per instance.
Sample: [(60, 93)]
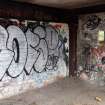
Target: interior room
[(52, 52)]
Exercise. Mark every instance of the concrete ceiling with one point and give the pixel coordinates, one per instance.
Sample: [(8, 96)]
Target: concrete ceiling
[(67, 4)]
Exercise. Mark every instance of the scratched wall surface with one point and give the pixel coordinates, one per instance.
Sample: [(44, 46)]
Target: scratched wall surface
[(32, 54), (90, 49)]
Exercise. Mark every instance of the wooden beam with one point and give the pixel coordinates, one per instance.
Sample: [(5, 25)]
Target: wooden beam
[(34, 12)]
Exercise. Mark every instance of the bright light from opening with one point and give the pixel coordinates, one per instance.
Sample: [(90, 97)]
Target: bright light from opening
[(101, 36)]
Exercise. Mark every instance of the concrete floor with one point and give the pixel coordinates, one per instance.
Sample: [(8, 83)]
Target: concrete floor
[(64, 92)]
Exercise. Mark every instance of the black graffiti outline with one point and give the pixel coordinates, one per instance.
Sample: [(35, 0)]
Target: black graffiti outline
[(18, 50), (28, 73), (7, 72), (57, 47), (43, 55), (51, 35), (17, 55), (92, 22), (32, 30)]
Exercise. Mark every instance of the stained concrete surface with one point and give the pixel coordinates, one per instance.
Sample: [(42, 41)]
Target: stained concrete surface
[(66, 91)]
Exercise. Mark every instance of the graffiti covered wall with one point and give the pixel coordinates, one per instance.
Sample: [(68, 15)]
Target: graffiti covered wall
[(31, 51), (91, 46)]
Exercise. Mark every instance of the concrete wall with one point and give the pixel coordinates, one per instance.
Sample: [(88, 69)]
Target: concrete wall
[(90, 51), (32, 54)]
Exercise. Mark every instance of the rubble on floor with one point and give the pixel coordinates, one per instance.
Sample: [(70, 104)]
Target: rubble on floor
[(68, 91)]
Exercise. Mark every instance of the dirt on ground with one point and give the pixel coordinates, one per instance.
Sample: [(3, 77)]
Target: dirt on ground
[(67, 91)]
